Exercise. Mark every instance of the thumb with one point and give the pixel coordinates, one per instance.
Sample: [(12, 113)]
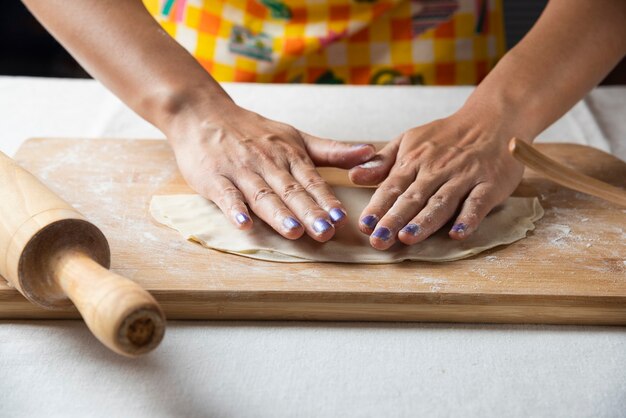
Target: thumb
[(376, 169), (329, 153)]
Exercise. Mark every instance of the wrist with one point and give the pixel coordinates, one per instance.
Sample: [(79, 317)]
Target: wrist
[(175, 108), (513, 105)]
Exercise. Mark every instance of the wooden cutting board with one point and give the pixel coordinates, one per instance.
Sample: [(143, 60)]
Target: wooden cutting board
[(570, 270)]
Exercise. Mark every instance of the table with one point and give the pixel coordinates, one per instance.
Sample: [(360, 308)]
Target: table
[(56, 368)]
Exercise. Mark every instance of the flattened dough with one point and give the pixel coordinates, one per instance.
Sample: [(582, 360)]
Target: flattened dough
[(201, 221)]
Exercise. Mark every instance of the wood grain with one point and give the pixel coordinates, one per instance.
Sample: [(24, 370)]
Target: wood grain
[(570, 270)]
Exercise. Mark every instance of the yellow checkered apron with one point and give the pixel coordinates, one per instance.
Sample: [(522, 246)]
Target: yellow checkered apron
[(434, 42)]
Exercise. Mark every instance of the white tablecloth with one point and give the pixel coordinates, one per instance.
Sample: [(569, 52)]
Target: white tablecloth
[(204, 368)]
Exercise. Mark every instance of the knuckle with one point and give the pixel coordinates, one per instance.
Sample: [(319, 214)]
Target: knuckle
[(456, 149), (329, 201), (229, 194), (324, 197), (230, 191), (413, 197), (248, 142), (270, 138), (476, 201), (292, 190), (309, 213), (439, 202), (437, 198), (296, 154), (471, 218), (314, 182), (263, 194), (407, 162), (279, 213), (288, 130), (429, 178), (391, 189), (426, 146)]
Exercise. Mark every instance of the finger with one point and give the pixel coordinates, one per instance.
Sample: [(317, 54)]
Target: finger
[(377, 168), (268, 206), (477, 205), (329, 153), (405, 208), (439, 209), (315, 219), (384, 197), (230, 200), (320, 191)]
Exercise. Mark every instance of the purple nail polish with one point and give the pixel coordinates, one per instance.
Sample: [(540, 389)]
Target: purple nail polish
[(460, 228), (382, 233), (412, 229), (321, 225), (291, 223), (336, 214), (370, 221), (242, 218)]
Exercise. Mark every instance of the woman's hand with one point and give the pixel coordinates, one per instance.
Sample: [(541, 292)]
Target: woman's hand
[(449, 168), (239, 159)]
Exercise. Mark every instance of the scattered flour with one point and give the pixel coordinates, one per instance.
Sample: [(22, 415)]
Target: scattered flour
[(100, 188), (435, 283), (372, 164), (149, 236), (431, 280), (557, 233)]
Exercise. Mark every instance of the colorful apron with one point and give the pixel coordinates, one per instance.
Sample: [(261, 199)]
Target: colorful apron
[(433, 42)]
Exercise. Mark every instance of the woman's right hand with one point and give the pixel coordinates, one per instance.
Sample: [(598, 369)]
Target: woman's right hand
[(239, 160)]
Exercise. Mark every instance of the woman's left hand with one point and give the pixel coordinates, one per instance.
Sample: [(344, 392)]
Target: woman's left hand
[(455, 167)]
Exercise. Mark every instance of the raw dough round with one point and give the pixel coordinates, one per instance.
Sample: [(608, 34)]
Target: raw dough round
[(199, 220)]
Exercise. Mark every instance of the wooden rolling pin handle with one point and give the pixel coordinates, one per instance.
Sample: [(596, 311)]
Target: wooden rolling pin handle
[(563, 175), (51, 254), (121, 314)]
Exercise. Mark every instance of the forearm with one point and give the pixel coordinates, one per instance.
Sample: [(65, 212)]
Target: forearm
[(572, 47), (121, 45)]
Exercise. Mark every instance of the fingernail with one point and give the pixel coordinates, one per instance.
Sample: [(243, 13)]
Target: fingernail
[(459, 228), (412, 229), (382, 233), (360, 145), (321, 225), (336, 214), (291, 223), (242, 218), (370, 221)]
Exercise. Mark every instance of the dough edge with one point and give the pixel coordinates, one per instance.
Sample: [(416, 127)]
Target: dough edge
[(527, 224)]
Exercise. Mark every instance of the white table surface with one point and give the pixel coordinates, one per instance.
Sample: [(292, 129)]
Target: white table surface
[(209, 368)]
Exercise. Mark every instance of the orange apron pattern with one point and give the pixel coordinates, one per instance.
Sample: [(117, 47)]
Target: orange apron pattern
[(431, 42)]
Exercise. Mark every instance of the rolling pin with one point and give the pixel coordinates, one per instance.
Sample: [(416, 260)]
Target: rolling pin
[(54, 256)]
